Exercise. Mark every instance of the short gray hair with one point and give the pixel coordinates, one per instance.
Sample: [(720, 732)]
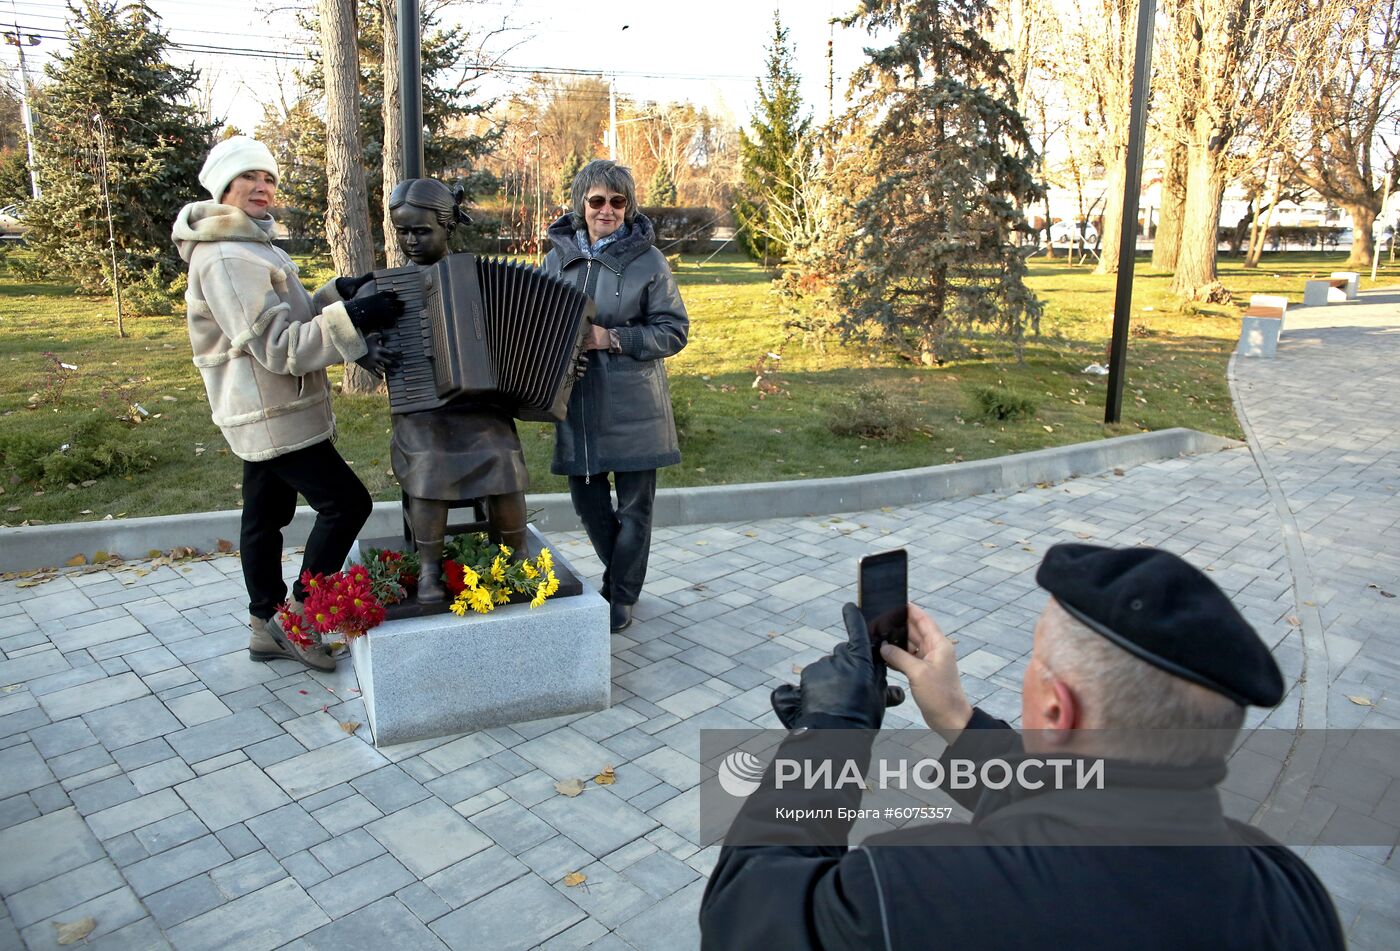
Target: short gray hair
[(603, 173), (1171, 720)]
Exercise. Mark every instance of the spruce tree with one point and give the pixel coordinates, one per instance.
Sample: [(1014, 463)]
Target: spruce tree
[(926, 194), (115, 68), (663, 188), (572, 166), (778, 148)]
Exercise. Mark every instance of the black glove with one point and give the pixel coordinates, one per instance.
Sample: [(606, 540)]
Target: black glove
[(346, 287), (844, 691), (378, 359), (374, 312)]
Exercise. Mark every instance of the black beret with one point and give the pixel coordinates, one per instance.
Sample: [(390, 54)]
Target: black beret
[(1160, 609)]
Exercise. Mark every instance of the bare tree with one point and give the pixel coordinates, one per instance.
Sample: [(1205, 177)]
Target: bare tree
[(347, 203), (392, 111), (1243, 66), (1353, 128)]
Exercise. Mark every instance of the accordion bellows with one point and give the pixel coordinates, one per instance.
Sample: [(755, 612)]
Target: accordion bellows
[(496, 330)]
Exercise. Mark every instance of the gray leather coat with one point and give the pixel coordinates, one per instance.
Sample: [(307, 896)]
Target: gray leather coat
[(620, 416)]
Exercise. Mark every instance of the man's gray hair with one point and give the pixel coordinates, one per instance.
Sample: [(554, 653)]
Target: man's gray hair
[(1145, 714), (603, 173)]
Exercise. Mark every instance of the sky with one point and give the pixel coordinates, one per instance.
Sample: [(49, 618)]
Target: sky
[(709, 53)]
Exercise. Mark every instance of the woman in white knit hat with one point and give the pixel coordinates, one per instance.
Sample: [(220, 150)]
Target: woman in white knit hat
[(262, 344)]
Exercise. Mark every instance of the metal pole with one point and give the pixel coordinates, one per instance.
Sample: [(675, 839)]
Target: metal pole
[(1132, 186), (24, 110), (411, 87), (612, 117)]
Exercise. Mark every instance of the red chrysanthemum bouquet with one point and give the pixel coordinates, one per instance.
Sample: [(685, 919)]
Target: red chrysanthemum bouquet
[(342, 603)]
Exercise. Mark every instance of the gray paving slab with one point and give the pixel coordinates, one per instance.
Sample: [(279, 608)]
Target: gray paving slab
[(144, 745)]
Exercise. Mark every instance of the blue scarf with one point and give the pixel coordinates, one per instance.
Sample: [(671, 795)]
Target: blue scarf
[(593, 250)]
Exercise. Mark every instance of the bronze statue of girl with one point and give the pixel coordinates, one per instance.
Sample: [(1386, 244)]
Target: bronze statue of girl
[(467, 449)]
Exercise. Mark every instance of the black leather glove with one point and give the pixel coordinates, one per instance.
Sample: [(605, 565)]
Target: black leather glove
[(374, 311), (346, 287), (378, 359), (844, 691)]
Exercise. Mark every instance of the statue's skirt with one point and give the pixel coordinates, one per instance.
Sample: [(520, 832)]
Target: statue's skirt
[(458, 452)]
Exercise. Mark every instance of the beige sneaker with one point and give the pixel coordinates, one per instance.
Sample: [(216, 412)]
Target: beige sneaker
[(316, 657), (262, 647)]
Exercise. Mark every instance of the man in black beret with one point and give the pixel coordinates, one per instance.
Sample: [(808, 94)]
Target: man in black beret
[(1135, 651)]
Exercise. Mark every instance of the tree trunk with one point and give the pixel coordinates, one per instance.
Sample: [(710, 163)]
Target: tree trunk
[(1114, 192), (1362, 244), (347, 202), (393, 126), (1194, 278), (1167, 244)]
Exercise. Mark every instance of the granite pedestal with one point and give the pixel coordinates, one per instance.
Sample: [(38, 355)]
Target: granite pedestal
[(441, 674), (1259, 336)]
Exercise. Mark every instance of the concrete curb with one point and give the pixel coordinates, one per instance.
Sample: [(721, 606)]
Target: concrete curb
[(44, 545)]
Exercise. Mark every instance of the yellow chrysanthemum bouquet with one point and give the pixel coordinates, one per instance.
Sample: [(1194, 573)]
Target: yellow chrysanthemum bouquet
[(481, 574)]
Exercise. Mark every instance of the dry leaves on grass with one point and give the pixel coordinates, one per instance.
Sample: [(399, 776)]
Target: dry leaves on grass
[(71, 932), (569, 787), (575, 878)]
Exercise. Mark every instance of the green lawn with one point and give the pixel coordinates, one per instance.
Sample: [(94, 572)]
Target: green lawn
[(1176, 378)]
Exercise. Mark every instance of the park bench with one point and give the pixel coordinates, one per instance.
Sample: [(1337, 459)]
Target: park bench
[(1340, 287), (1261, 326)]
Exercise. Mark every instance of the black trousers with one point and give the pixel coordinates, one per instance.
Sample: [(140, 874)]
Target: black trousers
[(270, 490), (620, 536)]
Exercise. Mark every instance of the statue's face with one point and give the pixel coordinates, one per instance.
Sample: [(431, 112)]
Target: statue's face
[(421, 238)]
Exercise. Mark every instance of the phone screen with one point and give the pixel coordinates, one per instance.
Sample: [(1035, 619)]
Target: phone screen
[(884, 597)]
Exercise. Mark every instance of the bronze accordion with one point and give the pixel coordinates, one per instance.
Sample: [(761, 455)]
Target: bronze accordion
[(486, 328)]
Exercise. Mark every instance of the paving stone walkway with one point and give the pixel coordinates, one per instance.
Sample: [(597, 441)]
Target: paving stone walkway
[(152, 778)]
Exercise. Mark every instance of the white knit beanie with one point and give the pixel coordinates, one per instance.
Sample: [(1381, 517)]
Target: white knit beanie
[(230, 159)]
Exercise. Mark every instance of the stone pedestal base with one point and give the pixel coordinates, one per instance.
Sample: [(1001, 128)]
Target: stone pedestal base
[(1259, 336), (440, 674)]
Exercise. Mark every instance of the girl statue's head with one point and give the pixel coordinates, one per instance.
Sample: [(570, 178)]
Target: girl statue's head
[(425, 212)]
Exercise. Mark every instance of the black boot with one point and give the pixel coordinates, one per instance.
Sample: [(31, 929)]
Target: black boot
[(619, 617)]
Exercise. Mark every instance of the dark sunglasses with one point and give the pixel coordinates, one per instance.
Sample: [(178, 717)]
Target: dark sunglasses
[(598, 201)]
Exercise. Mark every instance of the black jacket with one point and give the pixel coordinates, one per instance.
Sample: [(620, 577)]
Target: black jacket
[(979, 885), (620, 417)]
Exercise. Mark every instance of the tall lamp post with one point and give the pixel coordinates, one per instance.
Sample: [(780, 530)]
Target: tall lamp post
[(1132, 187), (411, 87)]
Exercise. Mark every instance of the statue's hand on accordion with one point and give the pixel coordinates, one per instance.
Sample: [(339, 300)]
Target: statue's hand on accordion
[(378, 359)]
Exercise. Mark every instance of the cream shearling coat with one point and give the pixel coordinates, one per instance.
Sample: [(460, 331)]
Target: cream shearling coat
[(261, 342)]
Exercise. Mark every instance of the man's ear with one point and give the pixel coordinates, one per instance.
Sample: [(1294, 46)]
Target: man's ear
[(1060, 713)]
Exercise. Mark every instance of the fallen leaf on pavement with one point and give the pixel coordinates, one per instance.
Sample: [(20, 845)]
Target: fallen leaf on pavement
[(72, 932), (1293, 621), (224, 545), (76, 561), (575, 878), (569, 787), (350, 727), (797, 668), (607, 777), (1361, 701), (1383, 592)]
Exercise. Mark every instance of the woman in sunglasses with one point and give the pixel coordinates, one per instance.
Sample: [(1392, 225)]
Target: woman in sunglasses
[(619, 423)]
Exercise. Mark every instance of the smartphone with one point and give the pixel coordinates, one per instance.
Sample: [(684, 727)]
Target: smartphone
[(884, 597)]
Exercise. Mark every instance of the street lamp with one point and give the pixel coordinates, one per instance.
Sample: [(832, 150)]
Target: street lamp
[(612, 112)]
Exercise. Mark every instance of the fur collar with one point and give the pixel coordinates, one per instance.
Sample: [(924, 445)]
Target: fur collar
[(211, 221)]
